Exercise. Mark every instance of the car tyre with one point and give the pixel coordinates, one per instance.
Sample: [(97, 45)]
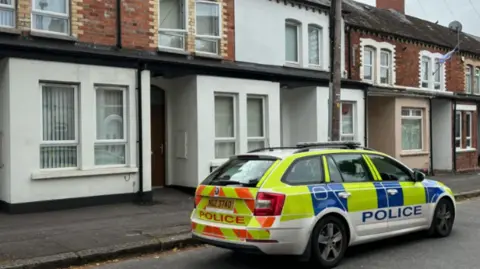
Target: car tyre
[(443, 219), (329, 242)]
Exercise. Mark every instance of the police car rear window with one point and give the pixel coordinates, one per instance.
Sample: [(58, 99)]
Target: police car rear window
[(242, 171)]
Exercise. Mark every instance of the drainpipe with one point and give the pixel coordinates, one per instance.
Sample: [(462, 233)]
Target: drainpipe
[(349, 50), (430, 113), (454, 127), (119, 24), (141, 196), (365, 116)]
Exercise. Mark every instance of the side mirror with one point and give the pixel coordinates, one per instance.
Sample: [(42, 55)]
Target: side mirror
[(418, 176)]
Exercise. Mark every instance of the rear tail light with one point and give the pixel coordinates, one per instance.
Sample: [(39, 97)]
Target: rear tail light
[(269, 204)]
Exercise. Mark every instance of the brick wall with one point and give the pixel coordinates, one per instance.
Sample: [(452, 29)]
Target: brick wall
[(407, 58), (94, 21)]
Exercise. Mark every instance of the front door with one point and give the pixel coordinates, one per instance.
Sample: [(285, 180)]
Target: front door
[(158, 138), (364, 199), (406, 198)]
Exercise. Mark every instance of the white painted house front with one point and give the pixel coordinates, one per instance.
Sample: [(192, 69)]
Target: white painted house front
[(69, 131)]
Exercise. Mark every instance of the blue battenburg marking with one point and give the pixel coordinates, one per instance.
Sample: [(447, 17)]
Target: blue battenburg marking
[(324, 197), (432, 190), (397, 199), (381, 195)]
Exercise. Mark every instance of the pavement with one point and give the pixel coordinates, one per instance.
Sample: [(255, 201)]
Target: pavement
[(78, 236), (459, 250)]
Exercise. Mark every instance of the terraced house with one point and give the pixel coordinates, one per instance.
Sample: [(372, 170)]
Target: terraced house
[(429, 108), (102, 101)]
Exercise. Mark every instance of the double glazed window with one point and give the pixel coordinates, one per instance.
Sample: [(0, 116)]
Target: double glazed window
[(51, 16), (412, 129), (208, 20), (172, 24), (7, 13), (347, 121), (463, 129), (377, 70)]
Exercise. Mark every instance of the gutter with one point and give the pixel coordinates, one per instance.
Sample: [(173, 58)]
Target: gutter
[(119, 24)]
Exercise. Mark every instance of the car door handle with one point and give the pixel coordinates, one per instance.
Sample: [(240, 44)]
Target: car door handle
[(344, 195), (392, 191)]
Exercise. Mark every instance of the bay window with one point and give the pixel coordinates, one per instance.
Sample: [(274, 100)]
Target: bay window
[(111, 127), (208, 26), (7, 13), (51, 16), (468, 129), (385, 66), (225, 125), (314, 45), (59, 146), (412, 129), (292, 42), (172, 27), (368, 63), (458, 130), (256, 128), (347, 122)]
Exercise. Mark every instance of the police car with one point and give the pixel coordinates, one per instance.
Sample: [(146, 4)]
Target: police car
[(315, 200)]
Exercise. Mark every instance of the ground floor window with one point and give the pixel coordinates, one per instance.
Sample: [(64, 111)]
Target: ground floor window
[(256, 122), (347, 121), (59, 146), (225, 125), (464, 129), (412, 128)]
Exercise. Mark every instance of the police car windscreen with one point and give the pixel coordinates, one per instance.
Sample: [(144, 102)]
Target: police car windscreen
[(246, 172)]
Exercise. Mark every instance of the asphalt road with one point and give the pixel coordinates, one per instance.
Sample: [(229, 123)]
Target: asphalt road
[(460, 250)]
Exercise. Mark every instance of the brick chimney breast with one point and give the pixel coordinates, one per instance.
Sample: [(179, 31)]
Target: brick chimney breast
[(398, 5)]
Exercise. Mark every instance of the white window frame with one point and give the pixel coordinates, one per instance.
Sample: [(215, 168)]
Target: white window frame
[(476, 88), (428, 60), (459, 124), (298, 25), (319, 30), (377, 47), (233, 139), (388, 67), (439, 71), (412, 116), (11, 8), (468, 137), (263, 138), (174, 32), (468, 79), (215, 39), (66, 16), (76, 141), (353, 134), (113, 142), (373, 51)]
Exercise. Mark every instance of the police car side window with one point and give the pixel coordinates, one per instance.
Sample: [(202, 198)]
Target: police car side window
[(305, 171), (389, 170), (335, 176), (352, 167)]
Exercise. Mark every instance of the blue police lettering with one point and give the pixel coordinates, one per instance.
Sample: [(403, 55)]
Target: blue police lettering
[(392, 213)]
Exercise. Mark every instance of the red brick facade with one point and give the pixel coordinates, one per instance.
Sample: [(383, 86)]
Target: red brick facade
[(467, 160)]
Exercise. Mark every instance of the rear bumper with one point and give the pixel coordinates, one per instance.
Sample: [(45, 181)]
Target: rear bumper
[(228, 245)]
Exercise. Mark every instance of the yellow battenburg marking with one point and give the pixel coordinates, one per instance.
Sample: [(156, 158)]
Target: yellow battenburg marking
[(275, 177), (325, 169), (259, 234), (363, 196), (254, 223), (229, 234), (413, 193), (298, 203)]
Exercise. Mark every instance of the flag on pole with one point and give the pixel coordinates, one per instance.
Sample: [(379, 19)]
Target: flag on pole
[(447, 56)]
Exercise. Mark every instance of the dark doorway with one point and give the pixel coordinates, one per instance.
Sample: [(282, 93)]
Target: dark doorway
[(158, 128)]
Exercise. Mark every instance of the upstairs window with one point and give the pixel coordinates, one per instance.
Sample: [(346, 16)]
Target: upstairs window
[(437, 80), (385, 67), (208, 23), (292, 42), (368, 63), (476, 89), (51, 16), (7, 13), (426, 72), (468, 79), (172, 31), (314, 45)]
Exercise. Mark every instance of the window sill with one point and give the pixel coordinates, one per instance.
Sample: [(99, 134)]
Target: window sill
[(52, 36), (172, 50), (10, 30), (293, 65), (83, 173), (207, 55), (414, 153), (465, 150)]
